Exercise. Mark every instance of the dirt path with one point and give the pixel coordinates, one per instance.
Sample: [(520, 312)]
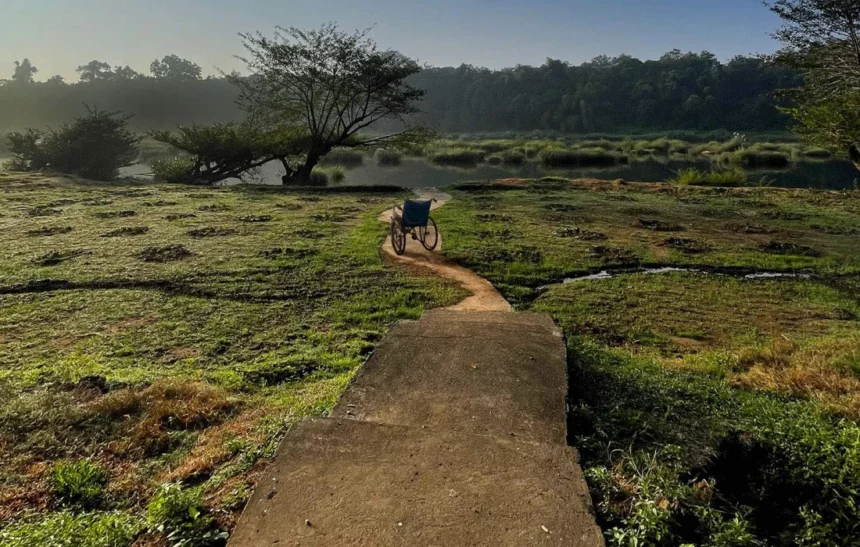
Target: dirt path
[(484, 296)]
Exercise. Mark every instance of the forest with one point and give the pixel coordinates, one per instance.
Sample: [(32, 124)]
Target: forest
[(693, 91)]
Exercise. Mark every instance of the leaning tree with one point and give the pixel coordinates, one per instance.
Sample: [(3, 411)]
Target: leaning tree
[(821, 39), (333, 85)]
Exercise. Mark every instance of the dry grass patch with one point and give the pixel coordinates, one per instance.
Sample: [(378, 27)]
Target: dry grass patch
[(826, 370), (167, 405)]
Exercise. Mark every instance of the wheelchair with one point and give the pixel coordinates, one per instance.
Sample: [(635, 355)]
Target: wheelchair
[(413, 218)]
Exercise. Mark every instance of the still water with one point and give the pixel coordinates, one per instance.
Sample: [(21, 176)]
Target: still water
[(416, 173)]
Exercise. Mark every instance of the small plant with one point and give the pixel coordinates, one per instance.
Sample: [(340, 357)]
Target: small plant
[(175, 169), (180, 514), (78, 482), (694, 177), (319, 177)]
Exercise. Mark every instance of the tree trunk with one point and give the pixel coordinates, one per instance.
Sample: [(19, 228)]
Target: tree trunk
[(302, 175), (854, 153)]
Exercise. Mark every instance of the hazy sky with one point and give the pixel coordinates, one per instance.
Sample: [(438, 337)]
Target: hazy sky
[(59, 35)]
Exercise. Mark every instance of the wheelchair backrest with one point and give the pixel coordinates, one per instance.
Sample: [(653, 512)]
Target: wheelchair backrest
[(416, 212)]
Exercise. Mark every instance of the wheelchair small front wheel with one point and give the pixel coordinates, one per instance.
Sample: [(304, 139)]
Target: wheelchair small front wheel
[(398, 238), (429, 235)]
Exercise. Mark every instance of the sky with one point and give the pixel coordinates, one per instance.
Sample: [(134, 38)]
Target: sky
[(59, 35)]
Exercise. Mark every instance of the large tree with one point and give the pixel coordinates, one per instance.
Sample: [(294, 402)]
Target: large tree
[(95, 71), (332, 85), (173, 67), (821, 39), (24, 72)]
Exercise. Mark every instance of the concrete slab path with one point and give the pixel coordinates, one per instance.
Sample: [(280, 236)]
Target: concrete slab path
[(453, 433)]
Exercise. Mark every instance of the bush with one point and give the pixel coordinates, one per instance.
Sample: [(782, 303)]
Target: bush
[(177, 169), (66, 529), (181, 515), (95, 146), (321, 176), (388, 158), (78, 482)]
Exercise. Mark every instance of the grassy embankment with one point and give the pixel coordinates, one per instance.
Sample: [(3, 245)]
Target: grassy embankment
[(709, 409), (157, 341)]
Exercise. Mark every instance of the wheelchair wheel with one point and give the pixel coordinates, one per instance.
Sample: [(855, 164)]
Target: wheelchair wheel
[(429, 235), (398, 238)]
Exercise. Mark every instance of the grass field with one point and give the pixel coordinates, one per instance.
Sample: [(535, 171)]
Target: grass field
[(157, 342), (709, 409)]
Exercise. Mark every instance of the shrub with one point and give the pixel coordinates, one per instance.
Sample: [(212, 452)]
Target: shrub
[(65, 529), (318, 177), (176, 169), (321, 176), (181, 515), (78, 482), (336, 174), (344, 156), (95, 146), (387, 158), (586, 157)]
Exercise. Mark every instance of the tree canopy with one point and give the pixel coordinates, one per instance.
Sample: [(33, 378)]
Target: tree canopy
[(24, 72), (821, 41), (622, 94), (328, 85), (174, 67)]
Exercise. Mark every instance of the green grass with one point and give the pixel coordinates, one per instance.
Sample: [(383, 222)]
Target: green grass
[(186, 369), (694, 177), (708, 409)]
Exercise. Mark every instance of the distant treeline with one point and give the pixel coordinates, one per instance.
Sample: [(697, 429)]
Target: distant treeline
[(623, 94)]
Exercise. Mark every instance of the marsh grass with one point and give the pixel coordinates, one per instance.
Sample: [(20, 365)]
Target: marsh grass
[(457, 157)]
